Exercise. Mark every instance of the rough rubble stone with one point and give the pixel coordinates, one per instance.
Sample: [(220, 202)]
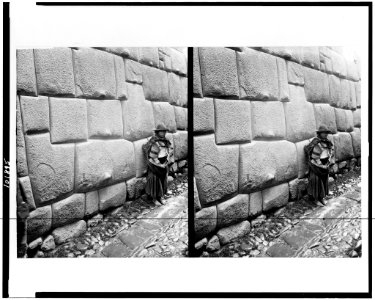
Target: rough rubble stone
[(140, 159), (20, 144), (48, 243), (216, 82), (343, 146), (133, 71), (180, 140), (135, 187), (94, 74), (205, 222), (99, 163), (301, 158), (35, 113), (213, 244), (39, 222), (263, 164), (176, 90), (51, 167), (155, 84), (232, 232), (204, 115), (181, 117), (54, 71), (200, 245), (356, 140), (121, 87), (25, 185), (232, 121), (26, 81), (68, 210), (293, 189), (62, 234), (112, 196), (344, 119), (36, 243), (325, 116), (149, 56), (295, 73), (255, 204), (316, 86), (164, 114), (310, 57), (178, 62), (258, 77), (357, 117), (268, 120), (104, 119), (233, 210), (276, 196), (197, 84), (92, 203), (283, 80), (216, 168)]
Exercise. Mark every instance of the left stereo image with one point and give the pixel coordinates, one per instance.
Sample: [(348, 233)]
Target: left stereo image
[(102, 152)]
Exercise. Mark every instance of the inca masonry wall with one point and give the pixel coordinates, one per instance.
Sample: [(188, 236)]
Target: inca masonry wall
[(254, 110), (82, 117)]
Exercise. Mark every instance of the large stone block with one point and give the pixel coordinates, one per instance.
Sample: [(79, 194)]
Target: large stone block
[(54, 71), (295, 73), (233, 210), (165, 62), (181, 117), (176, 90), (178, 62), (352, 100), (69, 210), (357, 117), (343, 146), (233, 122), (62, 234), (284, 52), (325, 58), (149, 56), (255, 204), (301, 158), (35, 113), (299, 116), (344, 119), (140, 159), (131, 52), (204, 115), (356, 141), (205, 222), (218, 72), (197, 203), (26, 81), (276, 196), (104, 118), (138, 114), (135, 187), (26, 190), (68, 120), (121, 87), (20, 143), (268, 120), (352, 69), (133, 71), (184, 87), (358, 93), (51, 167), (39, 222), (344, 94), (310, 57), (216, 168), (338, 64), (99, 163), (155, 84), (325, 115), (197, 83), (283, 80), (232, 232), (112, 196), (335, 90), (258, 76), (164, 114), (91, 203), (263, 164), (316, 86), (180, 140)]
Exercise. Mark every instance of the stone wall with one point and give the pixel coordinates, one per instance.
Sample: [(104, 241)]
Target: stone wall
[(82, 117), (254, 110)]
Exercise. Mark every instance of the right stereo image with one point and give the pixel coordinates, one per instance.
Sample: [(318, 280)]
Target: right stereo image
[(277, 152)]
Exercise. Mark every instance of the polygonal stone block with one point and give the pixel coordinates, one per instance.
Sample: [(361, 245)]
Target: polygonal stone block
[(344, 119), (295, 73), (352, 69), (131, 52), (310, 57), (299, 116), (263, 164), (165, 61), (344, 94), (218, 72), (338, 64), (258, 76), (316, 86), (68, 210), (325, 57), (62, 234), (35, 113), (54, 71), (255, 204), (216, 168), (25, 185), (133, 71), (335, 90), (178, 62), (100, 163), (180, 139), (181, 117), (184, 84), (138, 114), (232, 121), (112, 196), (26, 81), (149, 56), (140, 159), (325, 115), (357, 117), (176, 90), (68, 120), (352, 101), (205, 222), (197, 83), (204, 115), (233, 210), (164, 114), (155, 84), (51, 167), (20, 143), (94, 74), (104, 118), (121, 87), (232, 232), (276, 196), (91, 203), (268, 120), (356, 141), (343, 146), (302, 158), (283, 80), (284, 52), (358, 93), (39, 222)]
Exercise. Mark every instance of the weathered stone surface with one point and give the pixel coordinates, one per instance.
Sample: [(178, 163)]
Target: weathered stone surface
[(263, 164), (293, 189), (352, 101), (133, 71), (184, 87), (104, 118), (216, 168), (213, 244), (316, 86), (301, 158), (131, 52), (200, 245), (178, 62), (205, 222), (344, 119), (255, 204), (92, 203), (310, 57), (295, 73), (48, 243), (39, 222), (204, 115), (100, 163), (197, 83), (268, 120), (343, 146), (357, 117), (181, 117), (135, 187), (94, 74), (283, 80), (140, 159), (176, 90), (335, 90), (62, 234), (352, 68), (215, 82), (285, 52), (164, 114), (138, 114), (280, 250), (276, 196), (35, 113), (197, 203), (233, 210), (51, 167), (232, 121), (165, 62), (358, 93), (20, 144), (345, 101), (325, 57), (232, 232), (299, 116), (54, 71), (258, 77), (68, 210), (112, 196), (68, 119), (338, 64), (149, 56), (26, 81), (36, 243), (325, 116), (155, 84), (356, 141), (27, 191), (121, 87), (180, 140)]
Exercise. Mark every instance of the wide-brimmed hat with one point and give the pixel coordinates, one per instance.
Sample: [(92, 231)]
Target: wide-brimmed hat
[(161, 127), (323, 128)]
